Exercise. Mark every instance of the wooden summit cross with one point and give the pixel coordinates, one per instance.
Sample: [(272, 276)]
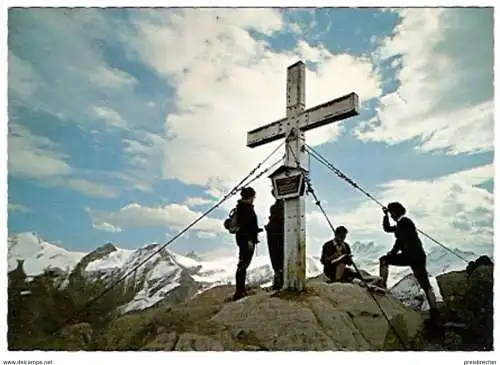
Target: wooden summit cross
[(288, 183)]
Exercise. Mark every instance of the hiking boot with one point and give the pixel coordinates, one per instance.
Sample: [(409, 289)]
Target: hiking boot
[(435, 316), (276, 284), (238, 296), (434, 322)]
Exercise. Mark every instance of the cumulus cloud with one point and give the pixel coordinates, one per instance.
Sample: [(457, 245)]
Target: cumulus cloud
[(444, 101), (197, 201), (23, 80), (145, 152), (18, 208), (170, 216), (74, 78), (206, 235), (110, 116), (228, 82), (106, 227), (36, 157), (33, 156), (110, 77), (74, 82), (90, 188)]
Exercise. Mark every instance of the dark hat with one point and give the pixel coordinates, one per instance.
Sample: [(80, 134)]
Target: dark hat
[(341, 229), (247, 192), (397, 208)]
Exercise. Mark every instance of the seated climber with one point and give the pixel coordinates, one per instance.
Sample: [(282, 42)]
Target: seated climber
[(335, 255)]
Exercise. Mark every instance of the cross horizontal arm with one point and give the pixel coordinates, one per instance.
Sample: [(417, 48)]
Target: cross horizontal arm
[(332, 111), (267, 133)]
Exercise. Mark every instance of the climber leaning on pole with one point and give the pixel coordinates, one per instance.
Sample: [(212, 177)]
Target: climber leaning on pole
[(407, 251)]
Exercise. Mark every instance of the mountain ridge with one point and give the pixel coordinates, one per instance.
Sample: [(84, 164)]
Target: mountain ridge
[(166, 271)]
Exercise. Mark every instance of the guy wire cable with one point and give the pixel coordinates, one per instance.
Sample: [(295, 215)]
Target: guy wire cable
[(340, 174), (318, 203), (179, 234)]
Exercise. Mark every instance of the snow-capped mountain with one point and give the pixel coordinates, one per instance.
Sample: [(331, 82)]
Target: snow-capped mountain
[(39, 255), (160, 271)]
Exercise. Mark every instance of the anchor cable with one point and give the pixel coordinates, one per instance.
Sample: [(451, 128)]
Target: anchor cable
[(318, 203), (235, 190), (340, 174)]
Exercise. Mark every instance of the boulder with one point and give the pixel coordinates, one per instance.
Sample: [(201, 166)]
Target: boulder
[(75, 337), (468, 296), (453, 288), (479, 303), (338, 316)]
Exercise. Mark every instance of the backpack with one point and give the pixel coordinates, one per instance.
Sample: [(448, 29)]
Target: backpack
[(231, 222)]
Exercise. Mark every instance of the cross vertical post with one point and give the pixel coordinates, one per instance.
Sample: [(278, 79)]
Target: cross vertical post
[(289, 179), (295, 226)]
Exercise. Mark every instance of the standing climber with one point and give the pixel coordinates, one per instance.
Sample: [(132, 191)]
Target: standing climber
[(275, 230), (335, 255), (407, 251), (246, 237)]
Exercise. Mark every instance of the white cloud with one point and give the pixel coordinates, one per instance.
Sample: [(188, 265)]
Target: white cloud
[(206, 235), (106, 227), (23, 80), (74, 80), (196, 201), (313, 54), (445, 97), (145, 154), (91, 189), (112, 117), (18, 208), (170, 216), (451, 209), (111, 77), (33, 156), (133, 182), (228, 83)]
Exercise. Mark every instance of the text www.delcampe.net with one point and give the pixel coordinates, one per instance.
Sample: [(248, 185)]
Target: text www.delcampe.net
[(28, 362), (480, 362)]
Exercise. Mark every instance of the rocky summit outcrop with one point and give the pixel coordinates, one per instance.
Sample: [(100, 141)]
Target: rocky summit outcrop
[(468, 301), (326, 317)]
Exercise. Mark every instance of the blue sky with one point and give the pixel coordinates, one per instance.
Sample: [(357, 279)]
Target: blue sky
[(126, 124)]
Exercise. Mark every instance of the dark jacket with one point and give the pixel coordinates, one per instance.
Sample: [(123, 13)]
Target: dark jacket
[(247, 221), (276, 223), (407, 240), (329, 253)]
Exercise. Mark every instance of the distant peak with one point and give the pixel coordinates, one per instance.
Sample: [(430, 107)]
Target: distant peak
[(97, 254), (150, 246), (107, 248), (193, 255)]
